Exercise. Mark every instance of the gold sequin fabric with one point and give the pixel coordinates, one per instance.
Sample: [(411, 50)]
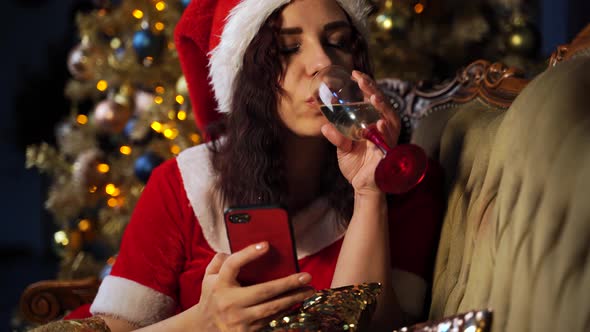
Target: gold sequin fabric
[(347, 308), (94, 324), (471, 321)]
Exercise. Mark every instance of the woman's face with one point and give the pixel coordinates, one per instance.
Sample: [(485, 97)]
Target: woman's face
[(314, 34)]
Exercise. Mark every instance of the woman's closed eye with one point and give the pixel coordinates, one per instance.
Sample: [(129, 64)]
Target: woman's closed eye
[(341, 40), (290, 49), (341, 44)]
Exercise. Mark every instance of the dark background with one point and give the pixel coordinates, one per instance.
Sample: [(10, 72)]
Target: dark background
[(35, 40)]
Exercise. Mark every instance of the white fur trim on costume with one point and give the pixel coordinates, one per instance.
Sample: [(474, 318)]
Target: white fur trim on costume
[(315, 227), (130, 301), (410, 290), (242, 24), (197, 177)]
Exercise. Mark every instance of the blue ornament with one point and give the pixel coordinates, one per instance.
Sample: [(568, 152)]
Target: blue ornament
[(129, 126), (146, 44), (185, 3), (145, 164), (140, 137)]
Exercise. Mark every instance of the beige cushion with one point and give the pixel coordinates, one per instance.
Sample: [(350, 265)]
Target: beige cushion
[(516, 234)]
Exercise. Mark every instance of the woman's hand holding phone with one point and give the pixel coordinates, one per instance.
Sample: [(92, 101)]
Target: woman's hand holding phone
[(227, 306)]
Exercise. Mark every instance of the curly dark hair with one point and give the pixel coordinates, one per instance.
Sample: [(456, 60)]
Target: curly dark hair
[(249, 160)]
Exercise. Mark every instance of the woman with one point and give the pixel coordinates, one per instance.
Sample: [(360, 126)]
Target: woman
[(174, 270)]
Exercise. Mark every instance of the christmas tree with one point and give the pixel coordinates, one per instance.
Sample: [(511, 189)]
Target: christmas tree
[(430, 40), (130, 111), (130, 106)]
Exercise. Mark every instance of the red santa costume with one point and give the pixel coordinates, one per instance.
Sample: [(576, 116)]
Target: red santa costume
[(177, 225)]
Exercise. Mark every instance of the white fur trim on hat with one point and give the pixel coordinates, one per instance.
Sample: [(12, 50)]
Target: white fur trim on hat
[(242, 24)]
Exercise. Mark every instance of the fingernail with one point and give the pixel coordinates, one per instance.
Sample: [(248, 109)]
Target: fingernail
[(304, 278), (260, 246), (378, 99)]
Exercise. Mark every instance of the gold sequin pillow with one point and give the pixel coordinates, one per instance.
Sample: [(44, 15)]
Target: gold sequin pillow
[(471, 321), (346, 308)]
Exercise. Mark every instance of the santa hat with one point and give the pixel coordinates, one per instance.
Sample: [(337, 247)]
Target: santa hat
[(211, 38)]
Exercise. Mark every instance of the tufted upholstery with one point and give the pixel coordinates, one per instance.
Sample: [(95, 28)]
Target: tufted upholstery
[(516, 234)]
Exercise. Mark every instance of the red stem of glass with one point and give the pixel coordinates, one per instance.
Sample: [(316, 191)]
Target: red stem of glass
[(373, 135)]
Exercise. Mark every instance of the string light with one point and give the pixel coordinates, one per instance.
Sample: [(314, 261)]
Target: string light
[(516, 40), (138, 14), (418, 8), (84, 225), (181, 115), (82, 119), (180, 99), (148, 60), (156, 126), (158, 100), (125, 150), (115, 43), (102, 85), (103, 168), (61, 237), (113, 202), (92, 189), (112, 190), (171, 133), (385, 21), (196, 138), (159, 26), (160, 89), (175, 149), (171, 114), (160, 6)]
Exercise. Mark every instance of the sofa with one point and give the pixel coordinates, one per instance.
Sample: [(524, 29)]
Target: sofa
[(516, 232)]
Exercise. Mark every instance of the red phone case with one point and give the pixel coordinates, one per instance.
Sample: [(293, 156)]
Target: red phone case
[(253, 224)]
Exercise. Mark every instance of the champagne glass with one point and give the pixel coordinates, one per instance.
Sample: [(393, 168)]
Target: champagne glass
[(343, 103)]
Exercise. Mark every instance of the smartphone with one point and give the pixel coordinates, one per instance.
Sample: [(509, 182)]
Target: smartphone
[(248, 225)]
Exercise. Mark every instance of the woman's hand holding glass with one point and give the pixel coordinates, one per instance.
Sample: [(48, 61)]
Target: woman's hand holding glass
[(359, 116), (226, 306), (358, 159)]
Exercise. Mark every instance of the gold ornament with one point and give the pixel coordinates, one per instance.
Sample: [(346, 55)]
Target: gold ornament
[(143, 102), (72, 139), (80, 63), (110, 116), (85, 171)]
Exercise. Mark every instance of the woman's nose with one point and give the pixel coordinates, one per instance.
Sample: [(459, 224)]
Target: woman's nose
[(318, 59)]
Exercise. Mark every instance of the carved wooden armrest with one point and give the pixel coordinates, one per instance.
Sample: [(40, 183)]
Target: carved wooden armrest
[(48, 300), (580, 45), (493, 83)]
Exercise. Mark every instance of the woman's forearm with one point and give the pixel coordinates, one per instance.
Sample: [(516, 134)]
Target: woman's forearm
[(365, 256)]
